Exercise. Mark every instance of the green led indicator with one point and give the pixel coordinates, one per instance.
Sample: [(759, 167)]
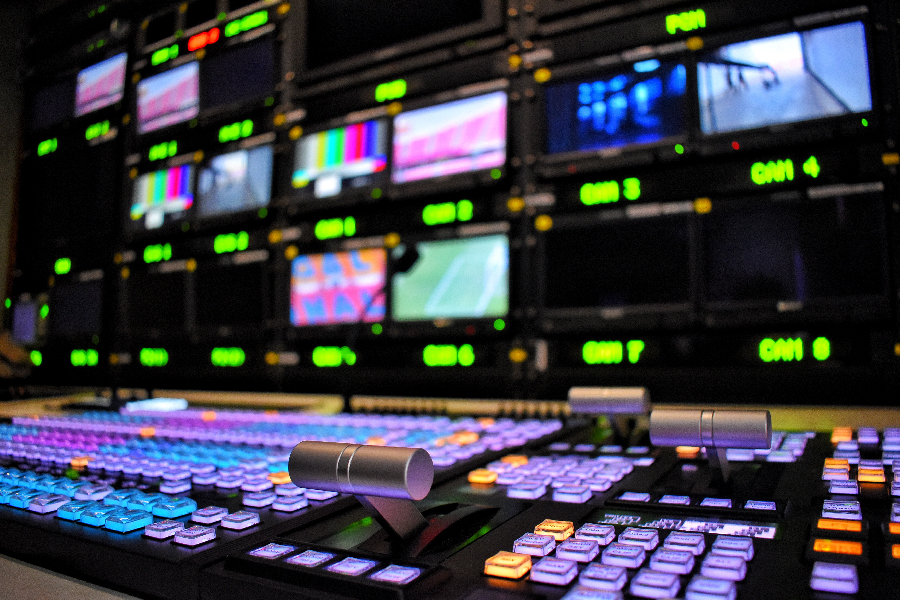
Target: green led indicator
[(157, 253), (602, 353), (687, 21), (811, 167), (8, 302), (679, 149), (231, 242), (333, 356), (393, 90), (36, 358), (251, 21), (865, 122), (270, 101), (96, 130), (164, 55), (499, 324), (376, 193), (222, 16), (228, 357), (163, 150), (377, 329), (236, 131), (62, 266), (84, 358), (634, 349), (781, 350), (448, 355), (447, 212), (631, 188), (329, 229), (774, 171), (47, 146), (603, 192), (154, 357), (496, 173), (262, 213), (821, 348), (45, 311)]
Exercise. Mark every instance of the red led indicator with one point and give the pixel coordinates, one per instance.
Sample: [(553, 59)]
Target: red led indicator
[(203, 39), (735, 145)]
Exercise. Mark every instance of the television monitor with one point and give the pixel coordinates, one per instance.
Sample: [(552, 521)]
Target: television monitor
[(229, 295), (156, 301), (162, 196), (455, 137), (238, 74), (642, 103), (235, 182), (24, 322), (51, 105), (338, 287), (794, 250), (617, 264), (329, 162), (101, 84), (786, 78), (76, 309), (457, 278), (170, 97)]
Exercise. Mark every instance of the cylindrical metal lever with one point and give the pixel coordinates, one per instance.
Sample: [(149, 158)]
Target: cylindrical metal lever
[(384, 471), (711, 428)]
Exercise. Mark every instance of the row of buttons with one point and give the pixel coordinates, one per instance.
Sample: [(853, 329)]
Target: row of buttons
[(706, 501)]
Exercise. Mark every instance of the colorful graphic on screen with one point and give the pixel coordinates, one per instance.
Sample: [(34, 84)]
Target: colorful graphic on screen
[(345, 156), (453, 279), (456, 137), (168, 98), (784, 79), (235, 182), (101, 84), (161, 194), (641, 105), (338, 287)]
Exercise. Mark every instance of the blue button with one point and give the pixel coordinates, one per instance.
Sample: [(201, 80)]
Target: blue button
[(173, 508), (71, 511), (129, 520)]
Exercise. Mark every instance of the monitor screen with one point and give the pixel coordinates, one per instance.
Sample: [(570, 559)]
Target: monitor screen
[(640, 104), (76, 309), (169, 97), (330, 162), (235, 182), (794, 251), (156, 301), (162, 196), (784, 79), (24, 322), (51, 105), (230, 295), (239, 74), (459, 278), (618, 264), (101, 85), (338, 30), (455, 137), (338, 287)]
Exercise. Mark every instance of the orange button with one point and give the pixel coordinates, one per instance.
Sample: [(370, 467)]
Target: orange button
[(148, 431), (895, 550), (837, 547), (482, 476), (279, 477), (842, 434), (894, 528), (687, 451), (508, 565), (840, 525), (560, 530), (871, 477), (837, 463), (515, 459)]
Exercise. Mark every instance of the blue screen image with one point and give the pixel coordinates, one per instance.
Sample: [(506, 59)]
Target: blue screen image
[(641, 105)]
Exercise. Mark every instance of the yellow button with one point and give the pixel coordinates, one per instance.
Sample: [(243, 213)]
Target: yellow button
[(840, 525), (837, 547), (687, 451), (508, 565), (482, 476), (842, 434), (871, 475), (279, 478), (837, 463), (515, 459), (560, 530)]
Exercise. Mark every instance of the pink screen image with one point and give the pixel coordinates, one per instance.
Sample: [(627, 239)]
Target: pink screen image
[(170, 97), (100, 85), (454, 137), (338, 287)]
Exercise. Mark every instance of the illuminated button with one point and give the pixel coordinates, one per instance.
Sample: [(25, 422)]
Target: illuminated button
[(895, 512), (573, 494), (837, 463), (320, 495), (257, 485), (704, 588), (836, 474), (598, 484), (739, 455), (289, 503), (172, 508), (839, 525), (230, 482), (841, 434), (841, 509), (580, 592), (837, 547), (694, 543), (194, 536), (835, 578), (560, 530), (145, 501), (526, 491), (850, 486), (482, 476), (515, 459), (176, 474), (648, 539), (653, 584), (564, 480), (351, 566), (671, 499), (635, 497), (559, 446), (129, 520), (578, 550), (895, 551), (272, 551), (94, 491), (728, 545), (97, 515), (895, 487), (534, 545), (867, 435), (205, 478), (69, 487), (289, 489), (71, 511), (396, 574), (310, 558), (602, 534), (510, 478), (871, 475), (508, 565), (555, 571), (47, 503), (717, 566), (23, 497), (759, 505), (603, 577), (623, 555), (240, 520), (672, 561), (852, 456), (210, 514), (716, 502), (121, 497), (848, 445), (258, 499)]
